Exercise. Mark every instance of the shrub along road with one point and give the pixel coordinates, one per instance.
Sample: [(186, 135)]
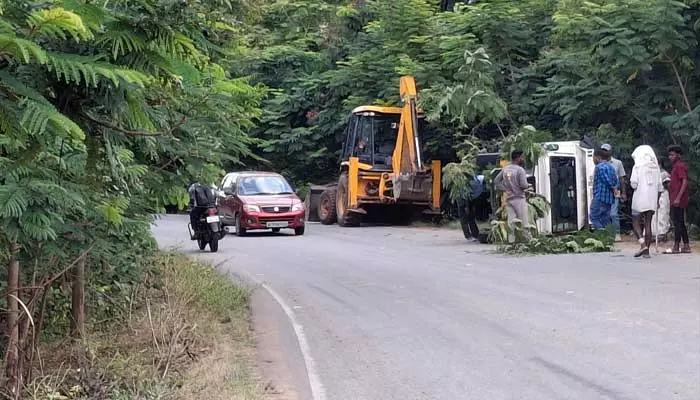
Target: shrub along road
[(417, 313)]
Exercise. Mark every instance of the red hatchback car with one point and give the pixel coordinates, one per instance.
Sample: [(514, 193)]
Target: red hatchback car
[(254, 200)]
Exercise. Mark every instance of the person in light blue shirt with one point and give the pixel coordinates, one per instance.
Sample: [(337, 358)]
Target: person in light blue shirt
[(621, 174), (606, 189)]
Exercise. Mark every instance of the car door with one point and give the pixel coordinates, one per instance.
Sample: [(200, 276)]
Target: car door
[(225, 202)]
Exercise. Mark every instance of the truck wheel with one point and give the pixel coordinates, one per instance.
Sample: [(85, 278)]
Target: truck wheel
[(345, 218), (327, 210)]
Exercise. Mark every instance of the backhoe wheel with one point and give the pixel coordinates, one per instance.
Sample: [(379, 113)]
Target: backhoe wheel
[(327, 210), (345, 218)]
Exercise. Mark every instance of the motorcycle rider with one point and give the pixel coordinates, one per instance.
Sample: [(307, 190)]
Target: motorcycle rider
[(201, 198)]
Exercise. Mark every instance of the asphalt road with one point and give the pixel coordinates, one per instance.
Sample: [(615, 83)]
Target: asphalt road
[(417, 313)]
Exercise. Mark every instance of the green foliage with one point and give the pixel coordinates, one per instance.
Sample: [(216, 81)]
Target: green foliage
[(473, 99), (108, 111), (579, 242), (537, 207), (529, 141), (206, 287), (457, 177), (489, 70)]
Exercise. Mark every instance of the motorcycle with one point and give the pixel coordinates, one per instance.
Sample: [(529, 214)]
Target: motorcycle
[(208, 230)]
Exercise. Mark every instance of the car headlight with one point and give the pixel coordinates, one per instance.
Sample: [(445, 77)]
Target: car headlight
[(252, 208), (298, 207)]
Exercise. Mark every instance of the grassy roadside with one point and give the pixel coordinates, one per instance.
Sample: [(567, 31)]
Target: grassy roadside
[(186, 336)]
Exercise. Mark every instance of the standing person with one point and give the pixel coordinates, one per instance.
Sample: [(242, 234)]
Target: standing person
[(605, 190), (513, 181), (646, 182), (621, 174), (467, 209), (661, 223), (679, 194)]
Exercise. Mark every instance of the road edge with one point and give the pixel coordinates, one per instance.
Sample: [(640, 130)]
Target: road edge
[(318, 391)]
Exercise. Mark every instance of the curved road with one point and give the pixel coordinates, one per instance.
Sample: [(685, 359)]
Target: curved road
[(392, 313)]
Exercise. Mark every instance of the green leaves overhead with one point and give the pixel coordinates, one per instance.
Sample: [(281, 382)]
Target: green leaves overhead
[(108, 111), (484, 71)]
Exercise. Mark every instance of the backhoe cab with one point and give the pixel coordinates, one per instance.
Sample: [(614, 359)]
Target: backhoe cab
[(381, 167)]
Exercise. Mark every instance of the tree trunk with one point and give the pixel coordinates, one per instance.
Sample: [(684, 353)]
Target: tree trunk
[(12, 364), (77, 326)]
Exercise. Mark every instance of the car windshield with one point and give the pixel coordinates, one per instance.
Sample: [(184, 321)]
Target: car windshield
[(262, 185)]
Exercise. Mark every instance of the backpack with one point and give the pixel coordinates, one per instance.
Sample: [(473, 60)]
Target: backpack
[(477, 187), (203, 196)]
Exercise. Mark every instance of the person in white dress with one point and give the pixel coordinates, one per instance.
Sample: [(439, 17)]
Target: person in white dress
[(661, 222), (646, 182)]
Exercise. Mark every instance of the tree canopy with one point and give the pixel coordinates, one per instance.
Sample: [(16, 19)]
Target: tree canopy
[(622, 71), (109, 110)]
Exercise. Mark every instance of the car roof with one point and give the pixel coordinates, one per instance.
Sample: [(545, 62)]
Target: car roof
[(253, 173)]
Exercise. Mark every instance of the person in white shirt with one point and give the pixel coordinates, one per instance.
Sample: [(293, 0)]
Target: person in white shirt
[(646, 182)]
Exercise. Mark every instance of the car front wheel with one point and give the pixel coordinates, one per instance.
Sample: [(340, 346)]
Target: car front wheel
[(240, 230), (299, 231)]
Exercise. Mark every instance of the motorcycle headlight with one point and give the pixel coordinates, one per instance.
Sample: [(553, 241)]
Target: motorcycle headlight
[(298, 207), (252, 208)]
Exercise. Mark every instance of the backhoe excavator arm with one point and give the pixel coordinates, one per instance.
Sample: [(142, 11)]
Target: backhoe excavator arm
[(407, 153)]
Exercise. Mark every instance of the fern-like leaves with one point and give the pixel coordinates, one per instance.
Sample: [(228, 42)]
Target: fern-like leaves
[(121, 42), (38, 113), (37, 116), (91, 70), (21, 49), (58, 23), (13, 201)]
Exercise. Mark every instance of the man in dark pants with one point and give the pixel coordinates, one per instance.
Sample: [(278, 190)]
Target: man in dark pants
[(466, 209), (678, 192)]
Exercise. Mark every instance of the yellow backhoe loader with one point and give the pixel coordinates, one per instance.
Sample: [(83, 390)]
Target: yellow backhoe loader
[(381, 168)]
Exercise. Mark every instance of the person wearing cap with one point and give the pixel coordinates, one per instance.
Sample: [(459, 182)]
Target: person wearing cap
[(621, 174), (605, 190)]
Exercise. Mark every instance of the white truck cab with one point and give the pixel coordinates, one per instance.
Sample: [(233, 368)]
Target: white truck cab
[(564, 176)]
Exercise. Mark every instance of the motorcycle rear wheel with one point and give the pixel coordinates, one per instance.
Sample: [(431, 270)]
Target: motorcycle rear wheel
[(201, 243), (214, 245)]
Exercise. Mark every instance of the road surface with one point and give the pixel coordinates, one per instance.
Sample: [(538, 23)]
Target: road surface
[(391, 313)]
